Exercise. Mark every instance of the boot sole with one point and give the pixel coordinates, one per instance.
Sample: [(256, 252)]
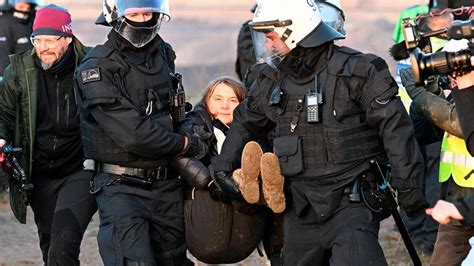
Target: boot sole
[(250, 167), (272, 182)]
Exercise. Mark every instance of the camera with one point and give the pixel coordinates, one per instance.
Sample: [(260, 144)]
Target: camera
[(425, 65), (441, 63)]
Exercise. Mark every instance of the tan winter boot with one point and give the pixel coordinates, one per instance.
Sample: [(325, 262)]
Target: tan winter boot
[(238, 178), (272, 182), (249, 172)]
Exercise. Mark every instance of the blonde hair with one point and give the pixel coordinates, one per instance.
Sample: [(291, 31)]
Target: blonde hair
[(233, 83)]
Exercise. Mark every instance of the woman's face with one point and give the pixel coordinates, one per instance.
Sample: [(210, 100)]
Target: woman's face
[(222, 102)]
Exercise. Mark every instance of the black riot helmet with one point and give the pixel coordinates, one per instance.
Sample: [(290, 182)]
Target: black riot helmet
[(114, 12)]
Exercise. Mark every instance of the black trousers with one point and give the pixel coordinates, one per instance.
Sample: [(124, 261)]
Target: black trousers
[(273, 238), (63, 207), (140, 225), (348, 237)]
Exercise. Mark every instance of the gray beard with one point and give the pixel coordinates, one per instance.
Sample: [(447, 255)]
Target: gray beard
[(45, 66)]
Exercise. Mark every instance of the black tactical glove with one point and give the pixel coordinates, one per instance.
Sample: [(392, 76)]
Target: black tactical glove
[(217, 194), (412, 201), (193, 172), (198, 143), (224, 181), (438, 84), (408, 81)]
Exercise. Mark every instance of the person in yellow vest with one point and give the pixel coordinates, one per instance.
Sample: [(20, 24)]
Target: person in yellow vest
[(444, 212), (456, 174), (423, 229), (463, 98)]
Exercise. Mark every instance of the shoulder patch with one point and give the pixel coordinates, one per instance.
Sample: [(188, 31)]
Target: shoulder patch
[(90, 75), (379, 64)]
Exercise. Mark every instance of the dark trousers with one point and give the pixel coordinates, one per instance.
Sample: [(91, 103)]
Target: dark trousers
[(63, 207), (140, 225), (349, 237), (273, 238), (452, 245)]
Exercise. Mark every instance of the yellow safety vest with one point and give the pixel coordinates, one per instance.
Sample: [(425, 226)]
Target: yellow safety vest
[(456, 161), (406, 100)]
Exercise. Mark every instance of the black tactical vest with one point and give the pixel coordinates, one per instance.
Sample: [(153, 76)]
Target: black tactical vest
[(340, 142), (148, 90)]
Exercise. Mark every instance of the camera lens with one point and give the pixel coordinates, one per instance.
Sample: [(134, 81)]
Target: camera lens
[(437, 63), (442, 63)]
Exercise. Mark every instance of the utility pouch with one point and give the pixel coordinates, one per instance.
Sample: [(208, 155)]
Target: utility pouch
[(289, 150), (372, 196)]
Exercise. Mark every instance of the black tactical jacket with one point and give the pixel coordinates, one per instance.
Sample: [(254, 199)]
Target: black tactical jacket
[(14, 37), (125, 116), (465, 109), (365, 93), (200, 117)]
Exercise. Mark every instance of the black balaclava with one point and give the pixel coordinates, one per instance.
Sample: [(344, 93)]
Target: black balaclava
[(25, 17)]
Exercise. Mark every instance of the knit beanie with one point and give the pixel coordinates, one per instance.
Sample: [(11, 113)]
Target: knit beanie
[(52, 20)]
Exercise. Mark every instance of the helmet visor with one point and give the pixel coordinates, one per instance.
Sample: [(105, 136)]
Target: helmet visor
[(137, 36), (269, 47), (268, 43), (331, 16), (140, 6)]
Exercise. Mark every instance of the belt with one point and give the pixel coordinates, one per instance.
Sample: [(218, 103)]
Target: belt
[(159, 173)]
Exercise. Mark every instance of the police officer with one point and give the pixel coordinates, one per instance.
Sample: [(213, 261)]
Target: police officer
[(331, 110), (15, 30), (126, 128)]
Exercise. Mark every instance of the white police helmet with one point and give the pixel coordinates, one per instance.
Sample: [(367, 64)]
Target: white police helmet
[(296, 22), (332, 14)]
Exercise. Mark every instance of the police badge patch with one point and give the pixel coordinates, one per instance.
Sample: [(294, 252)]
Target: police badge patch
[(90, 75)]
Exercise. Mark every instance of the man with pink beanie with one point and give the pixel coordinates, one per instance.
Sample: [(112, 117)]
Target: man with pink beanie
[(39, 114)]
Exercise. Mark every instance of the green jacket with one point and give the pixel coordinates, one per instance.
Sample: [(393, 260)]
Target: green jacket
[(410, 12), (19, 101)]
